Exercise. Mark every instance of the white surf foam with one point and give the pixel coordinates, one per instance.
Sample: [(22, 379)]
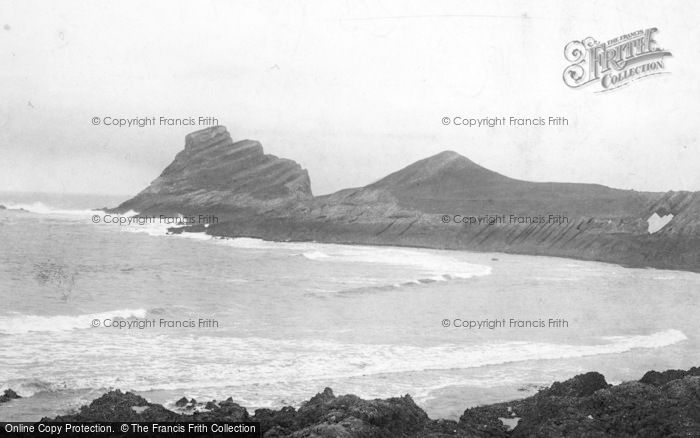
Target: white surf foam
[(157, 361), (655, 340), (315, 255), (155, 229), (41, 208), (18, 323), (29, 387), (434, 265)]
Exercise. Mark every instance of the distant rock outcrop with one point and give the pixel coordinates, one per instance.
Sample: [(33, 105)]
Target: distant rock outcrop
[(215, 175), (8, 395), (659, 379)]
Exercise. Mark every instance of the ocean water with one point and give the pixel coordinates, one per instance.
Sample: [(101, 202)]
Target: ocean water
[(282, 321)]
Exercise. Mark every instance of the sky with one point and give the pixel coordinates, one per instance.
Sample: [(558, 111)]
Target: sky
[(351, 90)]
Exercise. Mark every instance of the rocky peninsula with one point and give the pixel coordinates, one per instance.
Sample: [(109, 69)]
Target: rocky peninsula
[(445, 201), (660, 404)]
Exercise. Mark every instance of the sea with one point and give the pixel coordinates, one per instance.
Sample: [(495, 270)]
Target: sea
[(88, 306)]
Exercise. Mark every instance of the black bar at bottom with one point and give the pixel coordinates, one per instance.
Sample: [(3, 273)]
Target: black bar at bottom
[(135, 429)]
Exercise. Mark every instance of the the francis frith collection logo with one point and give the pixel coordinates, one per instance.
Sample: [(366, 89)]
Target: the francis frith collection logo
[(615, 63)]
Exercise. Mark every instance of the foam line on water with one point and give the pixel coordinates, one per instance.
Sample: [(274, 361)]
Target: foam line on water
[(41, 208), (434, 265), (14, 324), (145, 360)]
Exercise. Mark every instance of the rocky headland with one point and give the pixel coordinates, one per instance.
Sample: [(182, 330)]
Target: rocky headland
[(661, 404), (214, 174), (423, 205)]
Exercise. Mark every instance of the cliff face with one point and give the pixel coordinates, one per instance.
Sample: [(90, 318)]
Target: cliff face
[(425, 205), (215, 175)]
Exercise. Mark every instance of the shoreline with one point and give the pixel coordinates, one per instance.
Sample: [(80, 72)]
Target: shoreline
[(297, 230), (424, 204), (198, 230), (659, 404)]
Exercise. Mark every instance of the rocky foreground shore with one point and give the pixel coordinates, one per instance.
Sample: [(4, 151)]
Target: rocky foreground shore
[(661, 404)]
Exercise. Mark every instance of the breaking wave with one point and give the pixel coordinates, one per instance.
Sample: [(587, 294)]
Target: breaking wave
[(162, 362), (18, 323)]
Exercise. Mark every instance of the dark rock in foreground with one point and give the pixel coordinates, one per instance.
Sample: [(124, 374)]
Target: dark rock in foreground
[(584, 406), (8, 395), (182, 402), (119, 406), (581, 386), (658, 379)]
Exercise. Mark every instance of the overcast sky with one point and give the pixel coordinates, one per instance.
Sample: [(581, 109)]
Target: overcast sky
[(352, 90)]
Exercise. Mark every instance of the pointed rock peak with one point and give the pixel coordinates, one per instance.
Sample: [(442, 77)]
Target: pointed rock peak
[(321, 398), (442, 165), (448, 157), (207, 132), (207, 137)]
